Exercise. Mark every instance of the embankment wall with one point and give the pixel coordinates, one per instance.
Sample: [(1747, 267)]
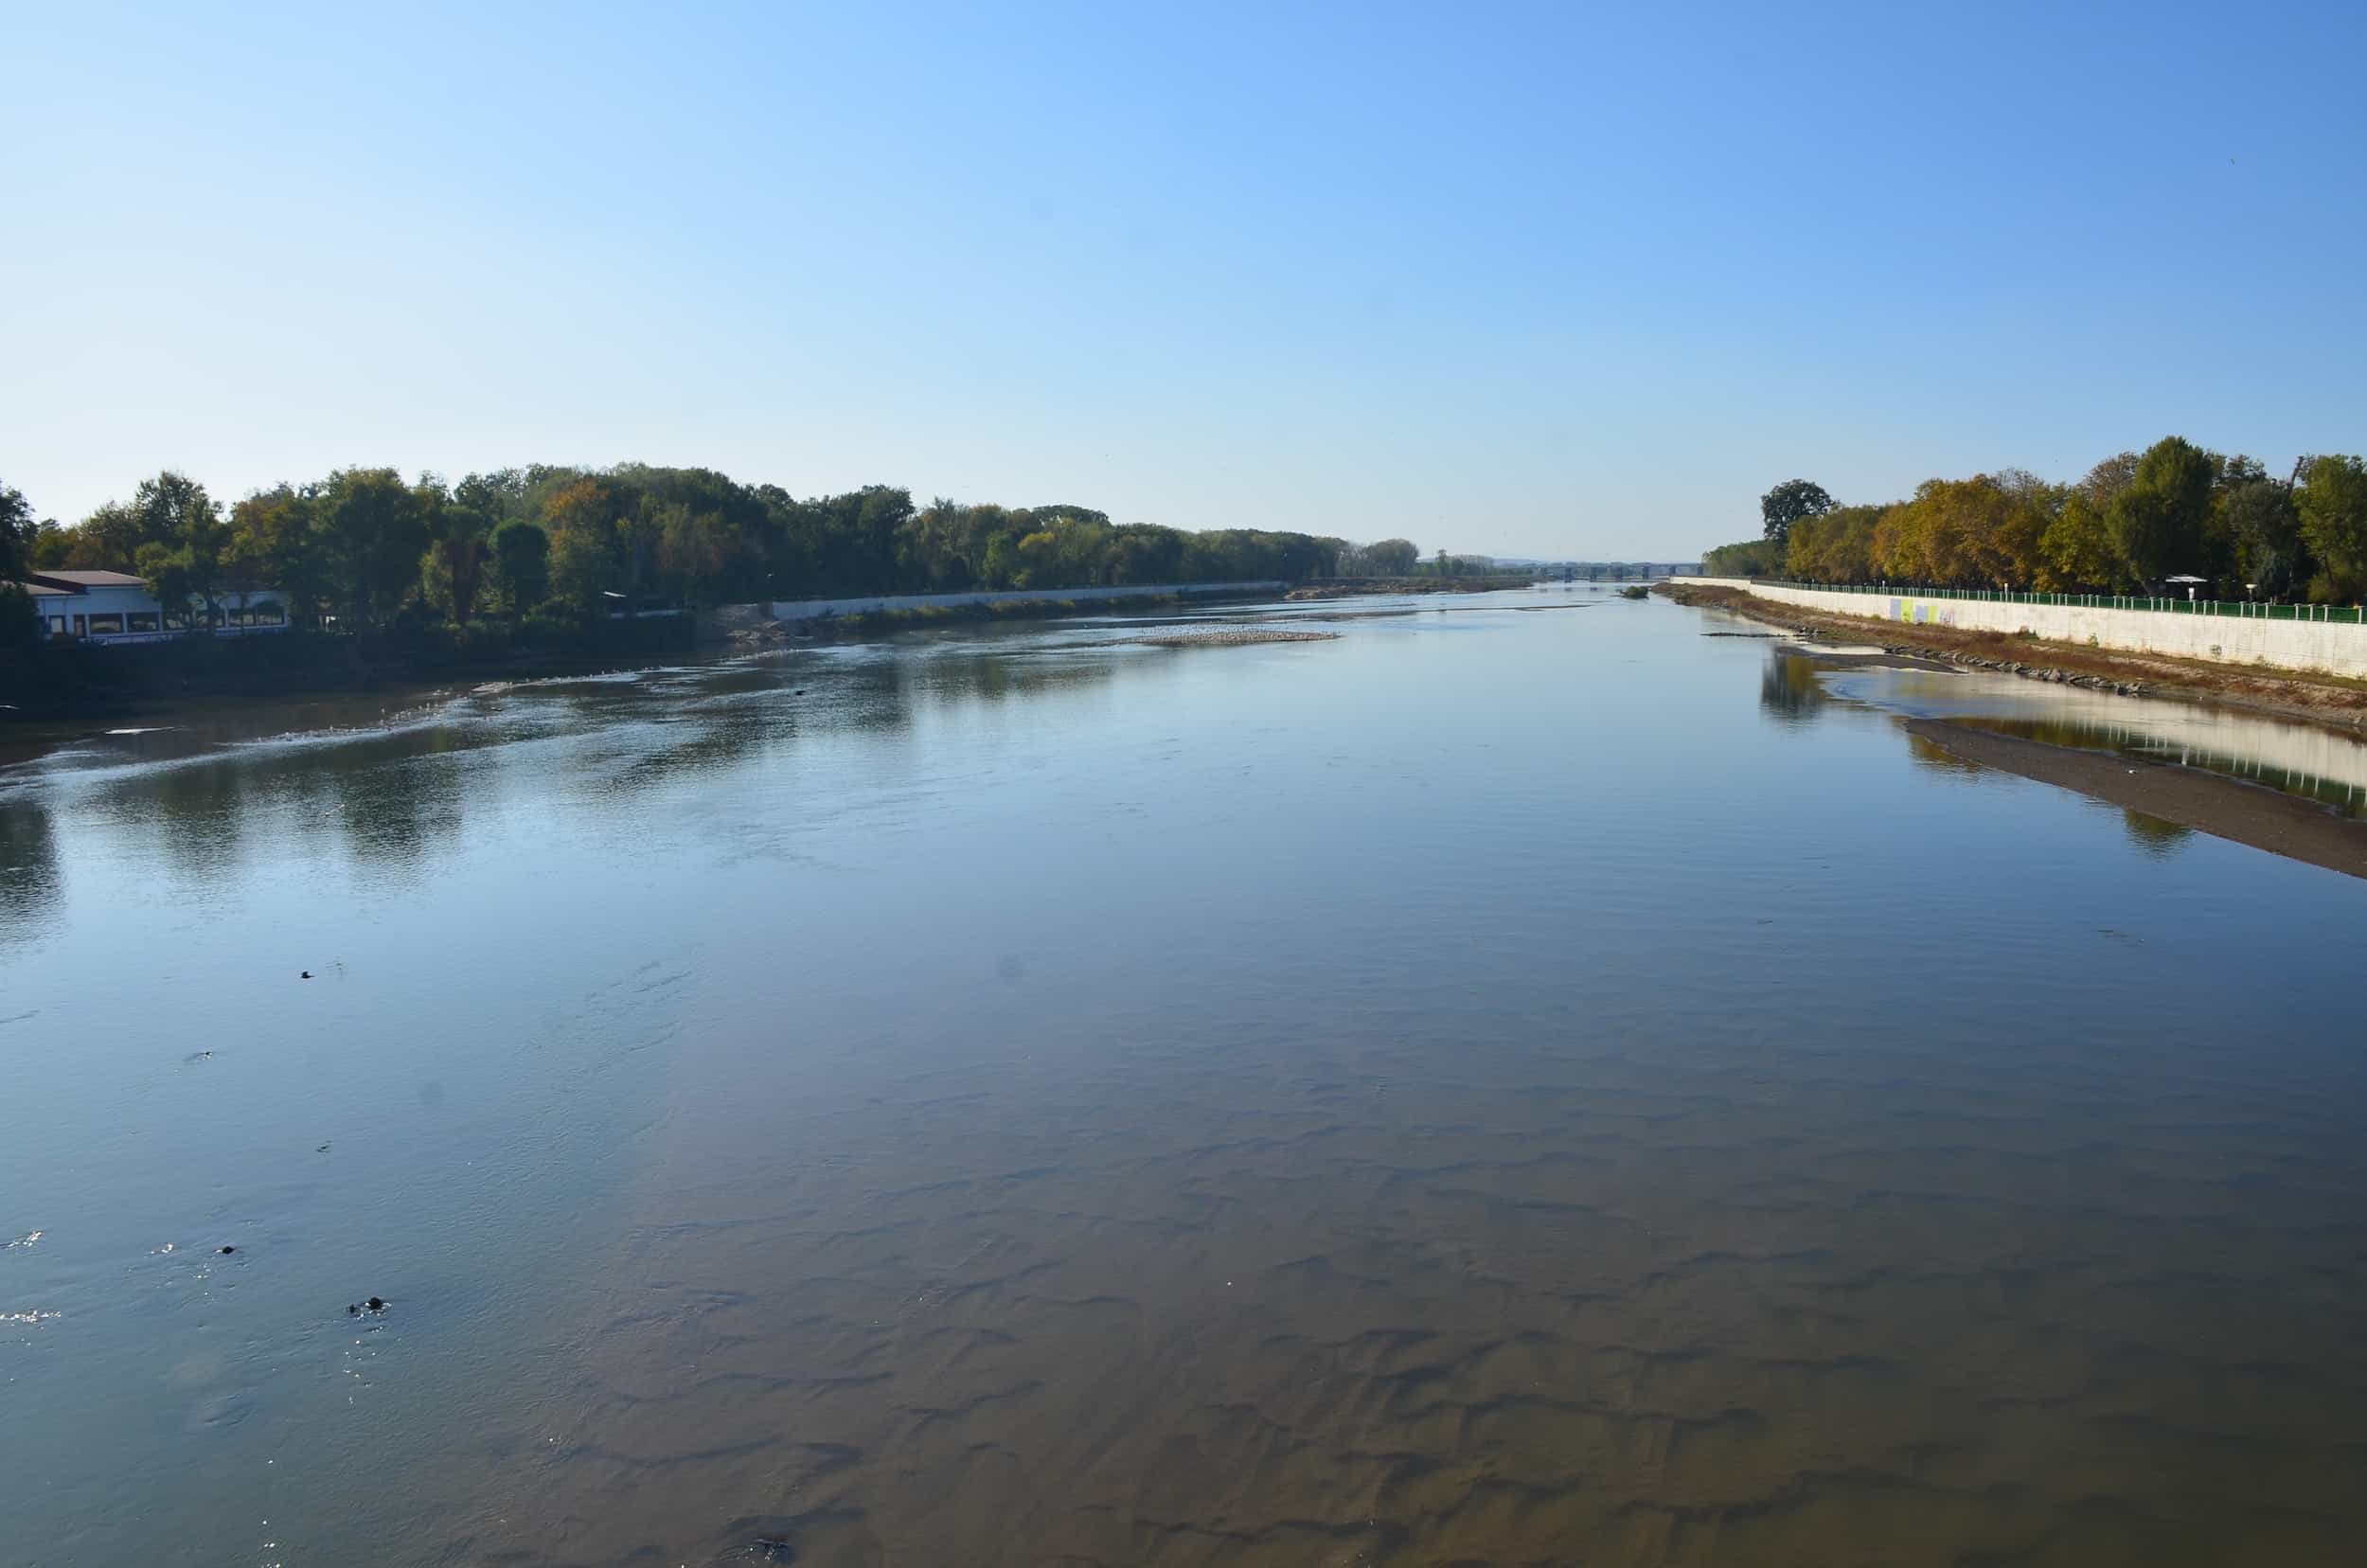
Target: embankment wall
[(2327, 648)]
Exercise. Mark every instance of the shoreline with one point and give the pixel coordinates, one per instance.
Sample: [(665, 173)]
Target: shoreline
[(2329, 702), (2231, 809), (394, 685), (853, 627), (161, 687), (1405, 587)]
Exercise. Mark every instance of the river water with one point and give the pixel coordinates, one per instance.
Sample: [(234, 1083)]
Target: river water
[(1506, 1085)]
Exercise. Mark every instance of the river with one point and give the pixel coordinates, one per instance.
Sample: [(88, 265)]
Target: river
[(1524, 1081)]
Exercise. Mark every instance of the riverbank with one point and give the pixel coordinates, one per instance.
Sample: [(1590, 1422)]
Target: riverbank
[(2231, 809), (1358, 587), (2327, 699), (774, 633), (74, 683)]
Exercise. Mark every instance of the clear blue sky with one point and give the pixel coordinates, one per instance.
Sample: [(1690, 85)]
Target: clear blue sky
[(1535, 280)]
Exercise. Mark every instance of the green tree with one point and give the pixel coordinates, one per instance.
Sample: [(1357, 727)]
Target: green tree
[(2262, 531), (521, 555), (581, 522), (2157, 522), (373, 530), (581, 570), (1787, 502), (17, 534), (1392, 557), (1749, 557), (17, 530), (2333, 508), (2078, 546), (451, 573), (108, 540), (275, 542), (53, 547), (184, 542)]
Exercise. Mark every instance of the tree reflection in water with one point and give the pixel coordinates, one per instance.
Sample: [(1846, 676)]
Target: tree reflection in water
[(2153, 835), (1789, 690), (29, 868)]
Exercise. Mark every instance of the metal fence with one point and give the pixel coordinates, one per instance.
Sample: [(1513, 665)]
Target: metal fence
[(2340, 614)]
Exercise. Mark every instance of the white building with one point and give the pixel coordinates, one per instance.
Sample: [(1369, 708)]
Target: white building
[(116, 607)]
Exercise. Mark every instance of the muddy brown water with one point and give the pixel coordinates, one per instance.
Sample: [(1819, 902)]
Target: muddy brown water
[(1491, 1088)]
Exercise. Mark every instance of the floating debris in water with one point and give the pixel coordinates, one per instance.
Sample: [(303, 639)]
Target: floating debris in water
[(371, 1306), (25, 1241)]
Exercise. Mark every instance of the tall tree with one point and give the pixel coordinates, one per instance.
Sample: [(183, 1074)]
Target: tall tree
[(2157, 522), (581, 522), (1837, 547), (184, 542), (521, 565), (2263, 534), (1787, 502), (2105, 482), (17, 532), (373, 531), (108, 540), (2078, 546), (275, 542), (451, 573), (2333, 506)]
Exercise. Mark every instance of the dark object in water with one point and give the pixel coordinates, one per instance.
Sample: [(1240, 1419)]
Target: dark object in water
[(774, 1549), (306, 975), (229, 1249), (799, 692), (373, 1305)]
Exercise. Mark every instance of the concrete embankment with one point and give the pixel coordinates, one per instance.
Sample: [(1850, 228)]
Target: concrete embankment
[(2308, 647), (2320, 699)]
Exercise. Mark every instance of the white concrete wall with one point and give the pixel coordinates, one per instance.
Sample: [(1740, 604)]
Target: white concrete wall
[(809, 609), (2322, 646)]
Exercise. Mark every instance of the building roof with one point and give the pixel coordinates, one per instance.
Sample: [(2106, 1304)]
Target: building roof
[(70, 581), (38, 589)]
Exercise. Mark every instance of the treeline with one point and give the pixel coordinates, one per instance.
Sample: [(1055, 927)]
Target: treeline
[(2131, 523), (365, 549)]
